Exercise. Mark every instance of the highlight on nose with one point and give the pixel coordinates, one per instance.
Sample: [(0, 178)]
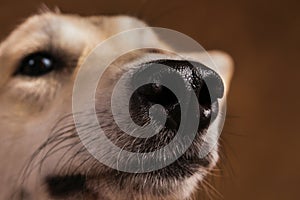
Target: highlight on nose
[(205, 82)]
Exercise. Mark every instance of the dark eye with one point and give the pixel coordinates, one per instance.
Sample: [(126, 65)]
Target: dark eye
[(37, 64)]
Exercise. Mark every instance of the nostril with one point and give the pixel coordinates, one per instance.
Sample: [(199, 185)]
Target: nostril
[(151, 90), (151, 94), (204, 97), (211, 89), (157, 94)]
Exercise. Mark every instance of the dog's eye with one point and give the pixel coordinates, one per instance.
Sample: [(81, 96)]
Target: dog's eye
[(36, 64)]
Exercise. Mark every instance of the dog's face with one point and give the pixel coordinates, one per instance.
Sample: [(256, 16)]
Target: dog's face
[(41, 154)]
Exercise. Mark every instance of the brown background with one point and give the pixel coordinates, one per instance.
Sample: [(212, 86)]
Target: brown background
[(261, 136)]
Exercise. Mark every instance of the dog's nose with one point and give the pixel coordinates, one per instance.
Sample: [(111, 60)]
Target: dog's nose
[(203, 81)]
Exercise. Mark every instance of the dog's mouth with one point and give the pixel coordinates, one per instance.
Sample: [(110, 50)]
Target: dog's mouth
[(156, 183), (62, 186)]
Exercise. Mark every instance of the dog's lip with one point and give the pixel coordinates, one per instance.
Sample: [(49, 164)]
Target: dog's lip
[(71, 185), (65, 185)]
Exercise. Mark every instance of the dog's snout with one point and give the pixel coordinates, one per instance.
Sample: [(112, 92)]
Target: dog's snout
[(203, 81)]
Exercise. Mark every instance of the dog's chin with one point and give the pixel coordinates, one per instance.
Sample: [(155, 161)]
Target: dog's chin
[(187, 170), (159, 184)]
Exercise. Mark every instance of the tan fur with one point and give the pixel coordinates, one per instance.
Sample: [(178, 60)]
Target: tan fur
[(30, 108)]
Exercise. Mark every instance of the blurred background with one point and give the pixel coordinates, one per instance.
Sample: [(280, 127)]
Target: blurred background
[(261, 138)]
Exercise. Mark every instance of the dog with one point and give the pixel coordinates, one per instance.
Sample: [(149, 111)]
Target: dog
[(42, 156)]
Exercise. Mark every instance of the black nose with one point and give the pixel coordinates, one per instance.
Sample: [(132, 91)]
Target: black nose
[(205, 82)]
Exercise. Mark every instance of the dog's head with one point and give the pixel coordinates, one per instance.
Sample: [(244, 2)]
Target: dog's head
[(42, 154)]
